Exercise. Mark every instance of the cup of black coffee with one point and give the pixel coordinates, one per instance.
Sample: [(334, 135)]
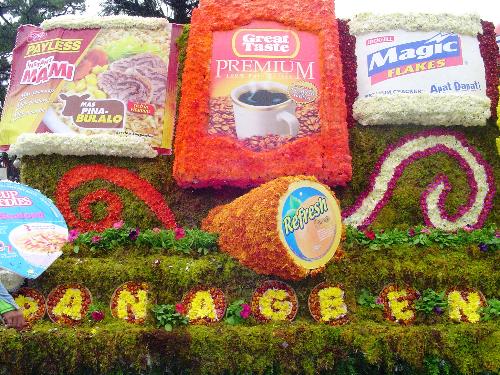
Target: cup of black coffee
[(263, 108)]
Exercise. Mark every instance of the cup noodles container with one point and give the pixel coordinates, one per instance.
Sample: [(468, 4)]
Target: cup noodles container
[(94, 75)]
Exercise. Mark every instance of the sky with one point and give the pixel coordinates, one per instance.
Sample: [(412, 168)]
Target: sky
[(488, 9)]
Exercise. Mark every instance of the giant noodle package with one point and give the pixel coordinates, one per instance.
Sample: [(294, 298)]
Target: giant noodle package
[(421, 69), (262, 95), (92, 76)]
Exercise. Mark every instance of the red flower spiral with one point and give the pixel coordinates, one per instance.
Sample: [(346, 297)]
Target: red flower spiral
[(118, 176)]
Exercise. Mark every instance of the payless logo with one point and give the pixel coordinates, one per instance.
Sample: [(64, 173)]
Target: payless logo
[(440, 51), (266, 43)]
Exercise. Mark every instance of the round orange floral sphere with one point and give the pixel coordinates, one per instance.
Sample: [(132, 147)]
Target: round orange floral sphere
[(290, 227)]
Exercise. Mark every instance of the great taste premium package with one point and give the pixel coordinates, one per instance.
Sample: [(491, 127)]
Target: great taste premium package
[(262, 95), (77, 75)]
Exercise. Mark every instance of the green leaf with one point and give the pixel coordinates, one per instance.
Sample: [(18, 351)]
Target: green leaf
[(168, 327), (76, 249)]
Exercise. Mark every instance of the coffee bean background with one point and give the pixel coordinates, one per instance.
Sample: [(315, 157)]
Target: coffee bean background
[(221, 122)]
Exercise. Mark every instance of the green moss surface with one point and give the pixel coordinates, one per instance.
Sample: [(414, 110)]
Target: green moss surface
[(297, 348), (434, 268)]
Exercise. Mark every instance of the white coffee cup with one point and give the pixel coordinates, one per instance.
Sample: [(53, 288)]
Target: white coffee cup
[(251, 120)]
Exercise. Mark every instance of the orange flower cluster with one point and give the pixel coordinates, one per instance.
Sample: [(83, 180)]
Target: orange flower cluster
[(68, 304), (118, 176), (204, 160), (248, 230)]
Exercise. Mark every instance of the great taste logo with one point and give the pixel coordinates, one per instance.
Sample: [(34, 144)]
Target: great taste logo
[(440, 51), (266, 43)]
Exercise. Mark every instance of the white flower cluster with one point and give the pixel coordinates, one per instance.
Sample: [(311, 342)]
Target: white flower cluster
[(107, 22), (423, 109), (79, 145), (469, 24), (10, 280), (382, 181)]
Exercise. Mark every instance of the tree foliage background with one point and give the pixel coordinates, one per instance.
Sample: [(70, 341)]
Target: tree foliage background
[(14, 13), (177, 11)]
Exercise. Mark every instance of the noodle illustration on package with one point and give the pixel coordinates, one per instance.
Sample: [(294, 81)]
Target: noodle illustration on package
[(32, 230)]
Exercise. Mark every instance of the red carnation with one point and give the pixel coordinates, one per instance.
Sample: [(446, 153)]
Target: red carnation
[(179, 308), (97, 315), (369, 234)]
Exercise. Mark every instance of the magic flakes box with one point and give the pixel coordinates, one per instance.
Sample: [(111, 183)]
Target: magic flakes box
[(108, 75)]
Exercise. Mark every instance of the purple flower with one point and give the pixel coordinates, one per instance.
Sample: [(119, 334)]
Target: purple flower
[(97, 315), (245, 313), (468, 228), (179, 233), (73, 235), (411, 232), (438, 310), (118, 224), (483, 247), (134, 233), (96, 239), (497, 234), (378, 301)]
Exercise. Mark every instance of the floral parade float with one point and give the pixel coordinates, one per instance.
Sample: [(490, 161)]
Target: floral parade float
[(392, 271)]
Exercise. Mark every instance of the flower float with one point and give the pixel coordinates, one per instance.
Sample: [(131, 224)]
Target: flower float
[(398, 303), (397, 157), (203, 305), (203, 159), (327, 304), (130, 302), (119, 176), (407, 88), (290, 227), (32, 304), (68, 304), (274, 301), (464, 305)]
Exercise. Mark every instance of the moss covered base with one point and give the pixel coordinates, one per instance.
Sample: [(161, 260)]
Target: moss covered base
[(300, 347)]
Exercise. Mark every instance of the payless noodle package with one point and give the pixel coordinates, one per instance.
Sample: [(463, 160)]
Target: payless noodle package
[(101, 75), (262, 95)]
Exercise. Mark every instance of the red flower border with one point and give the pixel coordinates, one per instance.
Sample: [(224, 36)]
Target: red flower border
[(202, 160), (121, 177), (489, 52)]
